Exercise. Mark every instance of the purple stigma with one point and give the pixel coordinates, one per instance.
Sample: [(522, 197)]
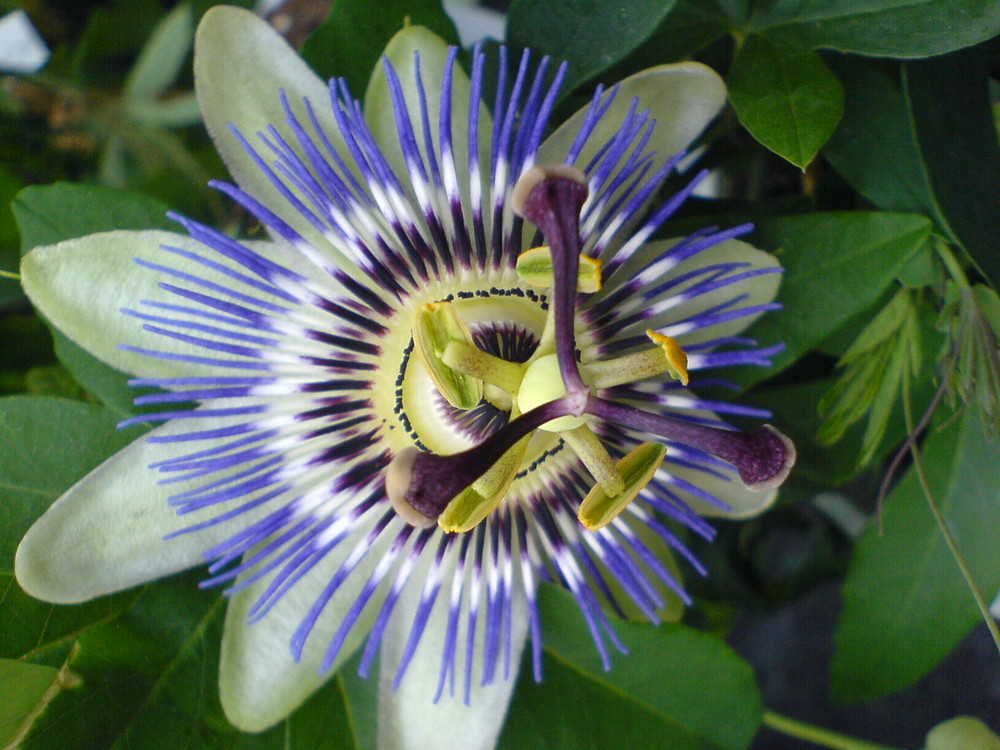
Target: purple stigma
[(763, 456)]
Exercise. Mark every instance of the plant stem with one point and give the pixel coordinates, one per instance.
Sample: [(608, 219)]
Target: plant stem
[(911, 438), (963, 566), (817, 735), (10, 275)]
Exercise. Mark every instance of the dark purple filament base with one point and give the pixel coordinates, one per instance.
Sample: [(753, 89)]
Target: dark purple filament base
[(435, 480)]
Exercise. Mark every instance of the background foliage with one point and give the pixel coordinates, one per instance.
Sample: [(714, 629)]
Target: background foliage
[(861, 140)]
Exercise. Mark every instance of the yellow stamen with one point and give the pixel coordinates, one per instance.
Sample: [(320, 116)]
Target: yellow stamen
[(677, 359), (666, 357), (482, 497), (435, 325), (595, 457), (600, 508), (474, 362)]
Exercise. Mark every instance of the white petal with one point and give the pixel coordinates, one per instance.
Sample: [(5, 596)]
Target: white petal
[(240, 65), (380, 115), (743, 503), (259, 681), (682, 97), (759, 290), (82, 285), (408, 718), (106, 532)]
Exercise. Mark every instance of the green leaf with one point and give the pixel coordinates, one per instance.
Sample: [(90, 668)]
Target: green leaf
[(972, 317), (688, 27), (52, 380), (149, 680), (543, 716), (163, 56), (351, 40), (836, 265), (29, 627), (656, 676), (47, 444), (906, 604), (10, 290), (105, 383), (879, 365), (49, 214), (883, 28), (785, 96), (25, 688), (114, 31), (931, 121), (589, 34)]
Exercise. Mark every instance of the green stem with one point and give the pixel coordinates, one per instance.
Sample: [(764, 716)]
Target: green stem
[(816, 735), (10, 275), (918, 465)]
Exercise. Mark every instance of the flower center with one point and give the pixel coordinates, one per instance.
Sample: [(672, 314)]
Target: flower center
[(552, 392)]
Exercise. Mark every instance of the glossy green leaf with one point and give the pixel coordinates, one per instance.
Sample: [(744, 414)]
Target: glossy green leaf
[(931, 121), (350, 41), (565, 712), (589, 34), (47, 444), (656, 674), (108, 385), (687, 28), (785, 96), (148, 679), (53, 213), (883, 28), (47, 214), (23, 687), (906, 605), (836, 265)]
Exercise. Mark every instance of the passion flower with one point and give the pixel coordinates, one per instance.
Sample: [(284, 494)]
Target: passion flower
[(459, 366)]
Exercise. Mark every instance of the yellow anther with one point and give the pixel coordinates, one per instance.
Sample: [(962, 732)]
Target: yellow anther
[(481, 498), (600, 508), (677, 359), (435, 325), (666, 357)]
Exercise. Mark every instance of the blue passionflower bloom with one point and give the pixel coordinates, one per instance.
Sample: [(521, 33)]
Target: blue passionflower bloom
[(457, 367)]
